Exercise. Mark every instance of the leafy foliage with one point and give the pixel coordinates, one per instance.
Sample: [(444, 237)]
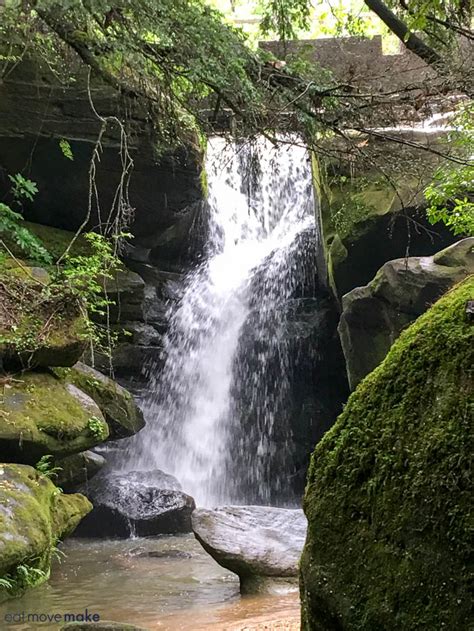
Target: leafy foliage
[(285, 17), (78, 283), (451, 194), (66, 150), (22, 187), (24, 576), (46, 466), (96, 428), (10, 225), (440, 21), (10, 221)]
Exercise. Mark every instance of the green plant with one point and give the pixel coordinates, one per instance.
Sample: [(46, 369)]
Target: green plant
[(83, 279), (22, 187), (11, 227), (6, 583), (46, 466), (451, 193), (24, 576), (66, 150), (30, 576), (96, 428)]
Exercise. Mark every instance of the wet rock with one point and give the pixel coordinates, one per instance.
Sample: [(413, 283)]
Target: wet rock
[(374, 316), (165, 554), (261, 544), (139, 502), (367, 220), (33, 516), (40, 415), (122, 414), (126, 291), (78, 469)]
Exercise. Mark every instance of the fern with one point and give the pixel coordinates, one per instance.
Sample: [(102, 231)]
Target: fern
[(31, 246)]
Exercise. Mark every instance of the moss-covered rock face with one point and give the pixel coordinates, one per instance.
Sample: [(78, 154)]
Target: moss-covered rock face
[(367, 219), (37, 329), (388, 498), (34, 515), (55, 241), (117, 404), (40, 415)]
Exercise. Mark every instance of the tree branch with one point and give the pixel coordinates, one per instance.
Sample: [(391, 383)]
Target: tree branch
[(401, 30)]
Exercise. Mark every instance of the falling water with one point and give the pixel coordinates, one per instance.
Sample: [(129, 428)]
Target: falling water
[(218, 404)]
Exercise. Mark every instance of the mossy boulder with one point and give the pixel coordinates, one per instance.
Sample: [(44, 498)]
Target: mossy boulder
[(34, 515), (118, 406), (389, 495), (37, 328), (373, 316), (40, 415), (78, 469), (55, 240)]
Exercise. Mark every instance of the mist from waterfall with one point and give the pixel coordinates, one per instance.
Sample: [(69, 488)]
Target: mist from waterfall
[(217, 400)]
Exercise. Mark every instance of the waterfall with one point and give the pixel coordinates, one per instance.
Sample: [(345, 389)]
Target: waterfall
[(216, 412)]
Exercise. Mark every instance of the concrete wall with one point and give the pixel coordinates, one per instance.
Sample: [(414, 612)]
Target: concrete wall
[(357, 61)]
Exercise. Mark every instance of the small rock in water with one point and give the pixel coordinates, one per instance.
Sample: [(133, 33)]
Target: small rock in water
[(141, 503), (261, 544), (165, 554)]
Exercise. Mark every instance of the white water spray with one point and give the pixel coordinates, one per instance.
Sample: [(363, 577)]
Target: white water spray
[(260, 203)]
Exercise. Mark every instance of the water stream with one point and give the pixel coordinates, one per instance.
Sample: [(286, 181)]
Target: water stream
[(159, 583), (217, 410)]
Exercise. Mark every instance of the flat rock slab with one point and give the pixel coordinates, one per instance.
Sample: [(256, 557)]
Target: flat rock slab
[(255, 542)]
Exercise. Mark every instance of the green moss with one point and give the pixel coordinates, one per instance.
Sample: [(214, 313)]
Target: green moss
[(40, 415), (34, 515), (36, 327), (388, 498), (117, 404), (54, 240), (204, 183)]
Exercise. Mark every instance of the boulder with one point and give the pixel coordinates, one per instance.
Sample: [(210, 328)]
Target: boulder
[(78, 469), (55, 240), (142, 503), (261, 544), (389, 493), (118, 406), (37, 329), (367, 220), (40, 415), (374, 316), (34, 514)]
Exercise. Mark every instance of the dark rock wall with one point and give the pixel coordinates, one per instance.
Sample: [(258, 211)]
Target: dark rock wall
[(37, 111), (165, 191)]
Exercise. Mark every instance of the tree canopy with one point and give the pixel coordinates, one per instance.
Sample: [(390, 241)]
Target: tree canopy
[(188, 65)]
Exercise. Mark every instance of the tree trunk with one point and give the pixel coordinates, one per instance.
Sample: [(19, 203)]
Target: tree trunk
[(401, 30)]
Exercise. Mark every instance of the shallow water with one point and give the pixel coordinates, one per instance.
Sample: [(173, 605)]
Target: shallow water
[(179, 588)]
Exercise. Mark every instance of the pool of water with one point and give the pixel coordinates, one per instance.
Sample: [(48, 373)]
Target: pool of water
[(165, 583)]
